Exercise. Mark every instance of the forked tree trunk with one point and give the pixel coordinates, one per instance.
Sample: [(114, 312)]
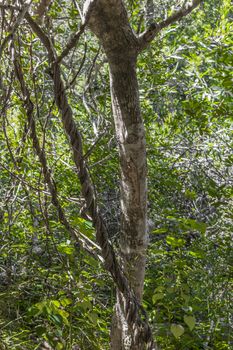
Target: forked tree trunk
[(109, 22)]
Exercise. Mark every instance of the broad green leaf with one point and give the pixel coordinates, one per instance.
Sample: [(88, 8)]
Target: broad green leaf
[(157, 296), (56, 303), (93, 317), (190, 321), (64, 316), (177, 330)]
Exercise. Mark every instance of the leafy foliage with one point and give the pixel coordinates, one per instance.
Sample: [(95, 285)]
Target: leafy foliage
[(53, 291)]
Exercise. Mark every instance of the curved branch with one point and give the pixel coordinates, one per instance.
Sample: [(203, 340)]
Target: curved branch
[(146, 37), (84, 241)]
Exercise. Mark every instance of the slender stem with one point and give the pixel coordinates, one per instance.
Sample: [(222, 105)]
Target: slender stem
[(145, 38)]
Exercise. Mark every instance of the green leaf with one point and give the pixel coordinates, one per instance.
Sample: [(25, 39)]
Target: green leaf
[(37, 309), (64, 316), (84, 226), (59, 346), (190, 321), (56, 303), (197, 254), (56, 319), (190, 194), (194, 225), (160, 230), (157, 296), (93, 317), (177, 330), (65, 248), (175, 242), (66, 301), (40, 330)]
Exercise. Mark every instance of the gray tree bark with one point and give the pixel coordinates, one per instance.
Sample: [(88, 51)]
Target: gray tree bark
[(110, 23), (131, 143)]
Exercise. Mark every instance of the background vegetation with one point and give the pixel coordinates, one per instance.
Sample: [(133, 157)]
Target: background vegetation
[(49, 288)]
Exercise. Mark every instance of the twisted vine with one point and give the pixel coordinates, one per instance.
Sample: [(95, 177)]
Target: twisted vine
[(134, 312), (85, 243)]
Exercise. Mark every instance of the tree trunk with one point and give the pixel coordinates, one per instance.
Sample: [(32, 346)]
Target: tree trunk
[(131, 142), (110, 23)]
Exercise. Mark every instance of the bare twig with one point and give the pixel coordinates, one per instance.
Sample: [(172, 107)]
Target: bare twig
[(17, 23), (70, 84), (145, 38), (9, 7), (73, 41)]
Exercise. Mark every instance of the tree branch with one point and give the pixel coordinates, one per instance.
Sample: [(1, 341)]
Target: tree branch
[(72, 42), (75, 139), (17, 23), (88, 245), (42, 8), (146, 37), (9, 7)]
